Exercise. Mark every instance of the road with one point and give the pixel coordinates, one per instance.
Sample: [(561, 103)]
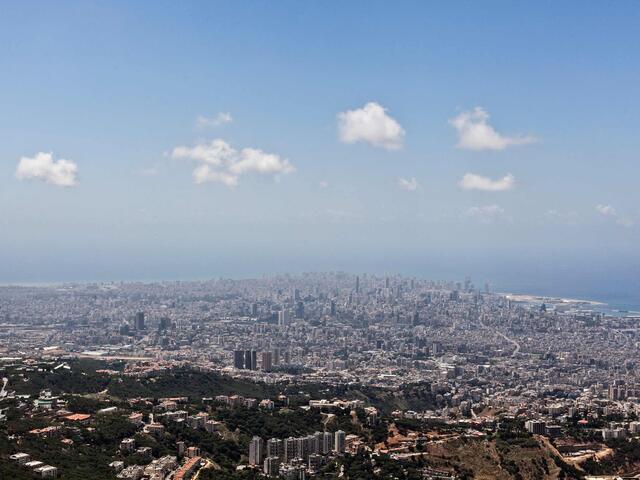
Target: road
[(3, 391), (499, 333)]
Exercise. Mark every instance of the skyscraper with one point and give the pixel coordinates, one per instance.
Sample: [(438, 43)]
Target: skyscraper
[(238, 359), (275, 448), (266, 360), (139, 321), (165, 323), (327, 443), (289, 449), (250, 360), (340, 440), (283, 318), (271, 465), (256, 451)]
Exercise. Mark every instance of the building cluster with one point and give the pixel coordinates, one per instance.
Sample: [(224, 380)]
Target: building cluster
[(36, 466), (472, 357), (293, 458)]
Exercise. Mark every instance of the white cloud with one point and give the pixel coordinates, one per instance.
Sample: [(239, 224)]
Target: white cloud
[(42, 166), (475, 133), (372, 125), (323, 184), (408, 184), (609, 211), (486, 213), (471, 181), (205, 173), (255, 160), (606, 210), (220, 162), (220, 119)]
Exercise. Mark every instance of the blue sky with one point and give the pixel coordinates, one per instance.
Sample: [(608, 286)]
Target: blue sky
[(115, 87)]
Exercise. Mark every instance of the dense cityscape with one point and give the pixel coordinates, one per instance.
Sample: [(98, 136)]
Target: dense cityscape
[(288, 240), (324, 375)]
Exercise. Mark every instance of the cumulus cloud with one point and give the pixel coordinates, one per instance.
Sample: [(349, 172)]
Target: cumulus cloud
[(42, 166), (471, 181), (606, 210), (609, 211), (370, 124), (486, 213), (221, 163), (323, 184), (475, 133), (408, 184), (220, 119)]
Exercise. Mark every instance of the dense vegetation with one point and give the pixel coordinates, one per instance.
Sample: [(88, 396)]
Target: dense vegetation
[(83, 378)]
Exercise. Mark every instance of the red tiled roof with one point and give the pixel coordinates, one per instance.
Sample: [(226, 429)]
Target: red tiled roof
[(186, 469), (78, 417)]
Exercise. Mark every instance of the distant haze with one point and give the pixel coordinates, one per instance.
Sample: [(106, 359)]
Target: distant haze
[(189, 140)]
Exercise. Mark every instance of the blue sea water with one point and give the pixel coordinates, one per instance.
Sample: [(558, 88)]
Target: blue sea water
[(608, 278)]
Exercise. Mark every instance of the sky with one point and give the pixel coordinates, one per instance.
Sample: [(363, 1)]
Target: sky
[(177, 140)]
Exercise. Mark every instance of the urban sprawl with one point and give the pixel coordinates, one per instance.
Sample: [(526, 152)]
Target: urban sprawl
[(323, 375)]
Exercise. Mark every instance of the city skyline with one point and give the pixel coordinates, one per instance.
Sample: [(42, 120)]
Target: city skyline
[(255, 240), (321, 375), (164, 144)]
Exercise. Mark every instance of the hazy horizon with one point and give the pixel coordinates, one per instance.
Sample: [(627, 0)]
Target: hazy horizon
[(186, 140), (618, 288)]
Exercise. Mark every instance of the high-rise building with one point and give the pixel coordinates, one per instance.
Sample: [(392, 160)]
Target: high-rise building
[(357, 284), (165, 323), (238, 359), (315, 462), (271, 466), (254, 309), (275, 448), (266, 360), (303, 445), (256, 451), (139, 321), (327, 443), (250, 360), (318, 437), (340, 441), (283, 318), (536, 427), (289, 449)]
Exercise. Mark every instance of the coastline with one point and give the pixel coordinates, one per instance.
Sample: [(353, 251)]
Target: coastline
[(598, 305)]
